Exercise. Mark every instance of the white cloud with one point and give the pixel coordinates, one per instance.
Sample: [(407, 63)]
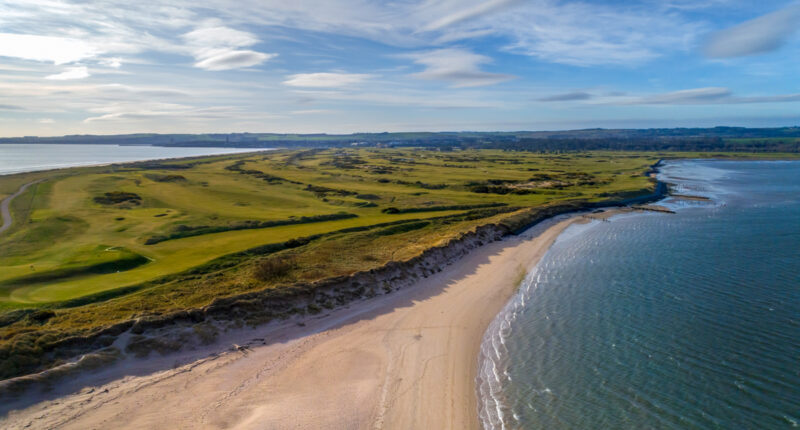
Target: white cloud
[(220, 36), (326, 80), (589, 34), (387, 96), (146, 111), (216, 47), (458, 66), (101, 36), (575, 32), (70, 74), (119, 91), (579, 33), (691, 96), (58, 50), (114, 62), (757, 36), (232, 59), (466, 13), (704, 96)]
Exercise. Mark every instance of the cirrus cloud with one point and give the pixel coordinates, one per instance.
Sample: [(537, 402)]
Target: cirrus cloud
[(70, 74), (757, 36), (706, 96), (566, 97)]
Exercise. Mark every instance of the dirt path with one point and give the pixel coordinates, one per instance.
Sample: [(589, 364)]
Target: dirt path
[(5, 206)]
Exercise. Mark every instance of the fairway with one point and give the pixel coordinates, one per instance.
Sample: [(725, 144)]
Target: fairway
[(67, 225)]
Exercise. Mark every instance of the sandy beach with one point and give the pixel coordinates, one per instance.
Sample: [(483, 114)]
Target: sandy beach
[(401, 361)]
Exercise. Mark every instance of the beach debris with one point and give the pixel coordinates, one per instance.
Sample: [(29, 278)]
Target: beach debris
[(690, 197), (240, 348), (653, 208)]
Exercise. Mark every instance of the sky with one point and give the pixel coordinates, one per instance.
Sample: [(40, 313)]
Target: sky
[(343, 66)]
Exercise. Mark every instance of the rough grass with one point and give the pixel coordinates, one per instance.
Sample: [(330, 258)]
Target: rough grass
[(56, 221), (62, 217), (272, 269), (64, 235)]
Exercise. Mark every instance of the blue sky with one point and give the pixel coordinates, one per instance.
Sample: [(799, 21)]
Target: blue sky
[(340, 66)]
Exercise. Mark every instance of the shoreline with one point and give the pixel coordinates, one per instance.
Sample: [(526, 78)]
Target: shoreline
[(492, 349), (54, 169), (405, 360)]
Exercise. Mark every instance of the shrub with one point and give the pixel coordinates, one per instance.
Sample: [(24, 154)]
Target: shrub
[(402, 228), (41, 316), (270, 269), (166, 178), (368, 197), (115, 197), (183, 230), (206, 332)]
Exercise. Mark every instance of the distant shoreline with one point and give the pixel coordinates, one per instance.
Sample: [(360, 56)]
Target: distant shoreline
[(80, 164)]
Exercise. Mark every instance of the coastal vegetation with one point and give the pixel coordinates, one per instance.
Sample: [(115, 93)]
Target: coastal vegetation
[(731, 139), (97, 247)]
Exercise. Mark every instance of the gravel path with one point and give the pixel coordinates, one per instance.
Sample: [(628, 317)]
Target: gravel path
[(5, 205)]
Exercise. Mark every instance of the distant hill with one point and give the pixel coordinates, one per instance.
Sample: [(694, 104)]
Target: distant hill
[(783, 139)]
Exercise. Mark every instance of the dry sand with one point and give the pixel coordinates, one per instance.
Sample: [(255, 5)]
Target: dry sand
[(407, 360)]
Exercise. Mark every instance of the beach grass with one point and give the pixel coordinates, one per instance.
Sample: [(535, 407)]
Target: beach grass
[(98, 245)]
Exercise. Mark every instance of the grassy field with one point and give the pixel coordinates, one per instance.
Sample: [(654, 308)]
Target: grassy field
[(94, 246), (67, 238)]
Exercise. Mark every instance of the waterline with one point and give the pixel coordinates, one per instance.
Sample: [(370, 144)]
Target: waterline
[(660, 321), (19, 158)]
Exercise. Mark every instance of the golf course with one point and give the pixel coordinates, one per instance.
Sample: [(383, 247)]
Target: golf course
[(70, 241), (91, 247)]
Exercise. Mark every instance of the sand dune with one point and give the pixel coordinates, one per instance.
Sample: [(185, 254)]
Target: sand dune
[(401, 361)]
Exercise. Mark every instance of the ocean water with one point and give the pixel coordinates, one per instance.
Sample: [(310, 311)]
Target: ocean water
[(661, 321), (16, 158)]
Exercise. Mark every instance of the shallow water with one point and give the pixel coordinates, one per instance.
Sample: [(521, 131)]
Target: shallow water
[(684, 321), (17, 158)]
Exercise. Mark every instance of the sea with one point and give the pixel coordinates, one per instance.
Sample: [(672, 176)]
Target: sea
[(17, 158), (688, 320)]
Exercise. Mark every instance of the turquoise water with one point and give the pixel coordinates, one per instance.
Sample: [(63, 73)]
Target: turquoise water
[(16, 158), (659, 321)]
